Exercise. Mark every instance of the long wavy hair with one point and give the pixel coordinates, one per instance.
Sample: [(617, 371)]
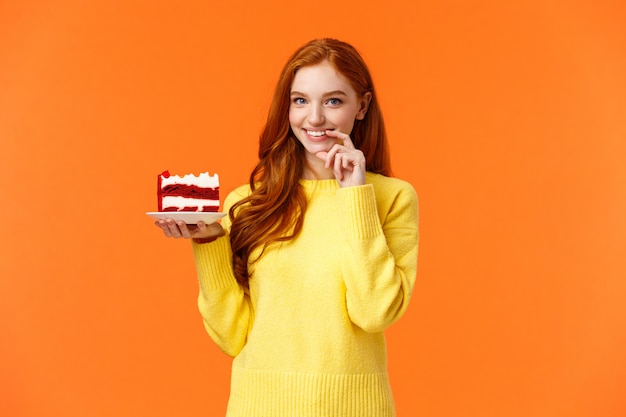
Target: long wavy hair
[(274, 210)]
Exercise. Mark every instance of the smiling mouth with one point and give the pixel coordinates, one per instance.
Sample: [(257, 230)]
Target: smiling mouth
[(316, 133)]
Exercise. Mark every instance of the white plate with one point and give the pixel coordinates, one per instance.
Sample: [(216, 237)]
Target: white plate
[(189, 217)]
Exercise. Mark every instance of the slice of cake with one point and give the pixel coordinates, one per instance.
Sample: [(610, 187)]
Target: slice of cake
[(188, 193)]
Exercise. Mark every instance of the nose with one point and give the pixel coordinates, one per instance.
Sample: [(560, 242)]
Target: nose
[(316, 115)]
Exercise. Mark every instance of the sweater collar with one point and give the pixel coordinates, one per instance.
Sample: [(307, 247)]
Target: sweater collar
[(320, 185)]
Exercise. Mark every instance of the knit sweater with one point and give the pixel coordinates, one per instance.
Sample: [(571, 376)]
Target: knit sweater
[(307, 336)]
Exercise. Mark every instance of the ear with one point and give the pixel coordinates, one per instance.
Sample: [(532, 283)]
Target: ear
[(364, 105)]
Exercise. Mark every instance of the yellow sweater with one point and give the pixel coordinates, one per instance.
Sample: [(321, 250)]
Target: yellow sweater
[(307, 338)]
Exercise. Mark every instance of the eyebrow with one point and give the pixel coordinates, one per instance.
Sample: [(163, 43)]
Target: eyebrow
[(330, 93)]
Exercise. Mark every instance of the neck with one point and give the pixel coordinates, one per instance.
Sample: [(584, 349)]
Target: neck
[(314, 169)]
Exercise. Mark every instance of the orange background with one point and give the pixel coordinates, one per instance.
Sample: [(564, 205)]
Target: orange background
[(508, 118)]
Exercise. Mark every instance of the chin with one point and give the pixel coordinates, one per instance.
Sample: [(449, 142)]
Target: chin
[(319, 147)]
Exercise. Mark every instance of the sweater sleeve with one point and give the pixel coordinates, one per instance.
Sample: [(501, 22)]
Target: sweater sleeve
[(224, 305), (380, 253)]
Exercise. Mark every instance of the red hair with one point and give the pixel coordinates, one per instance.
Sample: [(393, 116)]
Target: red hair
[(274, 211)]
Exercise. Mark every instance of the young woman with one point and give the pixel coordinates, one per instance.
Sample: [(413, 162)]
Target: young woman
[(318, 255)]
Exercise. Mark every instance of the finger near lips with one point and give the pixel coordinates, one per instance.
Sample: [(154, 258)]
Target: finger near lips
[(342, 157), (347, 142), (334, 152)]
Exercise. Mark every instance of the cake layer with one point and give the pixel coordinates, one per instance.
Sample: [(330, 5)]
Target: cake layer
[(185, 190), (175, 203)]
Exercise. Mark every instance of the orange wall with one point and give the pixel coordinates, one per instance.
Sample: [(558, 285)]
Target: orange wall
[(509, 120)]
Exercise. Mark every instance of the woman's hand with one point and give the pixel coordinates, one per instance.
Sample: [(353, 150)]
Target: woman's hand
[(347, 162), (172, 228)]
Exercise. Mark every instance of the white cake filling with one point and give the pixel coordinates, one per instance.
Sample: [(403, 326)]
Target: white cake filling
[(180, 202), (202, 180)]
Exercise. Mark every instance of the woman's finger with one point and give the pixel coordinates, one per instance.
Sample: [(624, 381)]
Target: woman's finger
[(184, 230), (163, 226), (337, 166), (331, 155), (348, 163), (345, 138), (336, 150), (173, 228)]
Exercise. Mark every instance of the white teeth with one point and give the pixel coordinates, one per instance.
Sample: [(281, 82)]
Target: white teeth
[(315, 133)]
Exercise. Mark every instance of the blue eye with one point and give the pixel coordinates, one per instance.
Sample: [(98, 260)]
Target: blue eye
[(334, 101), (299, 101)]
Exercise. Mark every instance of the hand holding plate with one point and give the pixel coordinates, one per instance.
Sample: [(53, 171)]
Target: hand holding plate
[(179, 229)]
